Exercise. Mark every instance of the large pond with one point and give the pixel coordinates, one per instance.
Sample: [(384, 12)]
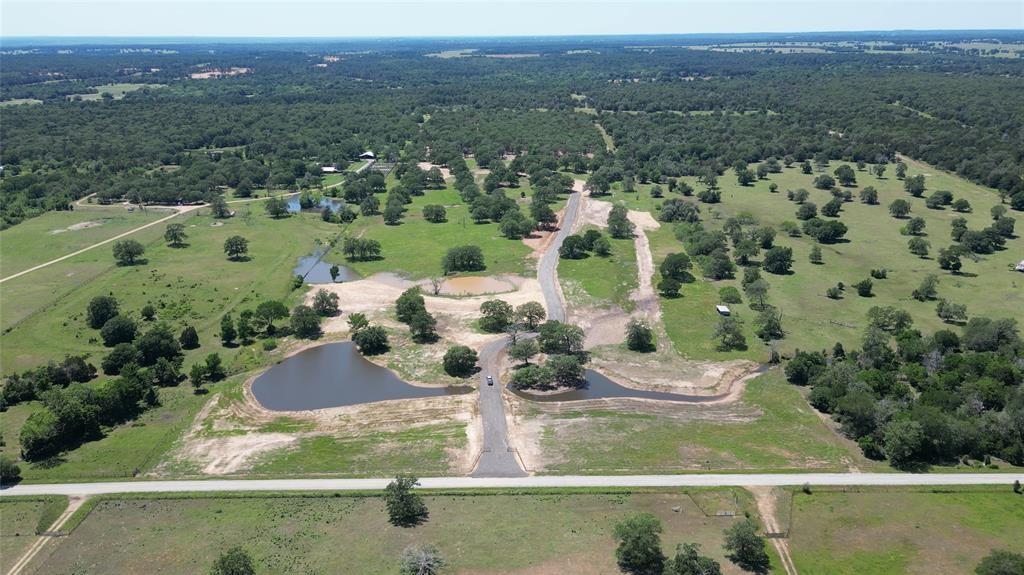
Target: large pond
[(334, 375), (315, 270), (600, 387)]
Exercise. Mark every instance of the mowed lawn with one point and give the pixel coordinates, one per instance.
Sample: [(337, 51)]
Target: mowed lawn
[(415, 247), (601, 280), (44, 312), (771, 429), (554, 532), (54, 234), (908, 531)]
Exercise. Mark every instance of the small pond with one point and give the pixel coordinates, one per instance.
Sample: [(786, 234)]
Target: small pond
[(316, 271), (333, 203), (600, 387), (477, 285), (334, 375)]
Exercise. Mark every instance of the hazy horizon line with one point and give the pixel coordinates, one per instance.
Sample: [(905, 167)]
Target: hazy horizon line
[(493, 36)]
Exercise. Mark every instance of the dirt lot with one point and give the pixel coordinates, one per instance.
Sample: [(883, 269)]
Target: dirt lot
[(230, 435)]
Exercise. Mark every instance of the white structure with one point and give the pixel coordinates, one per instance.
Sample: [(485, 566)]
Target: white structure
[(367, 155), (328, 170), (1020, 266), (722, 309)]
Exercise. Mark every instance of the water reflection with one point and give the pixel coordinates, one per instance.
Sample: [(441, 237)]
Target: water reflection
[(600, 387), (334, 375)]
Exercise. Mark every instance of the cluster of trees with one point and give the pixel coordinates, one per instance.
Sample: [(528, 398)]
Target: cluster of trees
[(411, 309), (927, 399), (78, 413), (638, 550), (576, 246), (563, 367), (129, 345), (275, 127), (369, 339), (498, 316), (32, 383)]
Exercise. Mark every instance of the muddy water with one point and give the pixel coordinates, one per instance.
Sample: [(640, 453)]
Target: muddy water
[(334, 375), (600, 387), (477, 285), (317, 271)]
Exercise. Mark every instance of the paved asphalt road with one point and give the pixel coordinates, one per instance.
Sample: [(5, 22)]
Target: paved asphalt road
[(695, 480), (547, 269), (497, 458)]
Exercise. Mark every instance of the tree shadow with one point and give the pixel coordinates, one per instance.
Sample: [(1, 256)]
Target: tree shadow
[(240, 259)]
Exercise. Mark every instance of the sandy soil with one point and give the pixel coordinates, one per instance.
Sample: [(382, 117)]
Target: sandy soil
[(376, 296), (76, 227), (226, 438), (445, 172)]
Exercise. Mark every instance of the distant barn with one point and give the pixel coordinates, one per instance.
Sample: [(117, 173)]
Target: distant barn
[(367, 155)]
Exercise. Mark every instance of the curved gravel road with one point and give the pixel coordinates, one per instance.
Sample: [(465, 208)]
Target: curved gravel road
[(547, 268)]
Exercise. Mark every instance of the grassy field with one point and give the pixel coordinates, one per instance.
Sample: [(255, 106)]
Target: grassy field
[(888, 532), (423, 450), (552, 532), (20, 518), (810, 319), (773, 428), (44, 320), (44, 312), (415, 247), (137, 446), (20, 102), (875, 242), (598, 280), (117, 90), (55, 234)]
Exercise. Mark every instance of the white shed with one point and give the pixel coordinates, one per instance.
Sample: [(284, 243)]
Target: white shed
[(722, 309)]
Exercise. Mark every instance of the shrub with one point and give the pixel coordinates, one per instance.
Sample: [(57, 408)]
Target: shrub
[(639, 336), (863, 287), (460, 361), (729, 294), (371, 340)]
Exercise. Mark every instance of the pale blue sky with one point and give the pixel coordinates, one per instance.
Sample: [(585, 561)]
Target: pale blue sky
[(345, 18)]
